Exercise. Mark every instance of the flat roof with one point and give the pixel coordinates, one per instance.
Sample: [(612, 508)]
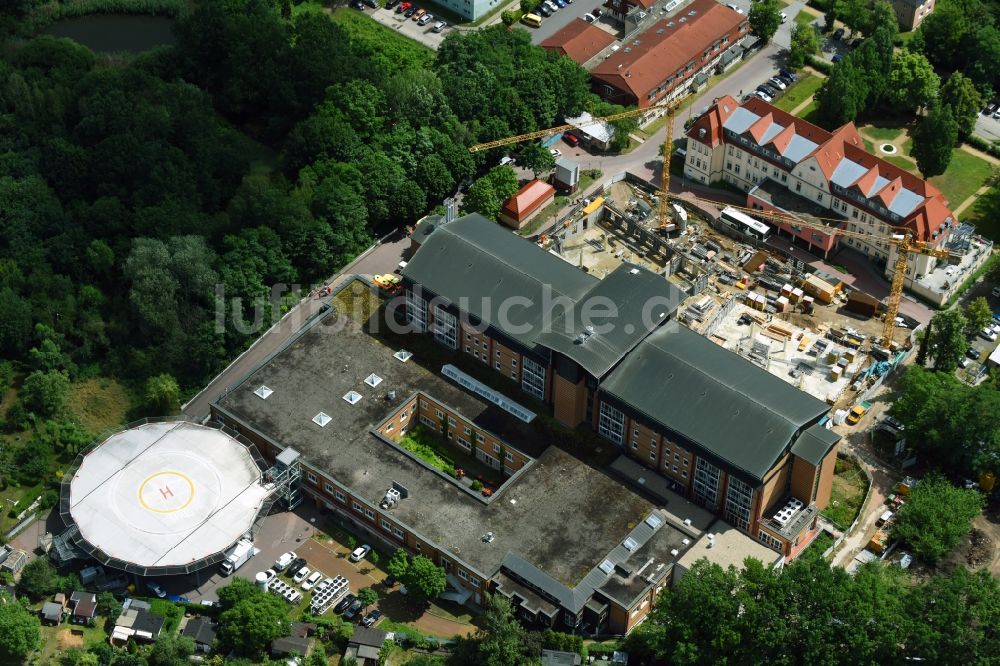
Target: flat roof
[(558, 500), (734, 411), (165, 495), (731, 547)]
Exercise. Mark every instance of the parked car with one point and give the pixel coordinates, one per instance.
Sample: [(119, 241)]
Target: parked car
[(343, 604), (351, 611), (418, 14), (777, 83), (857, 411), (990, 108), (972, 353), (371, 3), (838, 33), (784, 79), (372, 617), (310, 583), (964, 362), (553, 7), (589, 18), (893, 422), (294, 567), (301, 575), (555, 152), (391, 4), (410, 12), (856, 42), (156, 589), (357, 4), (360, 552), (571, 140), (597, 12), (995, 293), (784, 17), (403, 6), (543, 10), (735, 8), (996, 114), (763, 95), (439, 26), (989, 334), (285, 560), (790, 74), (425, 19), (883, 519), (561, 3)]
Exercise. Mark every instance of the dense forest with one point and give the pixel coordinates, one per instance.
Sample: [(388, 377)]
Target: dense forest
[(150, 203)]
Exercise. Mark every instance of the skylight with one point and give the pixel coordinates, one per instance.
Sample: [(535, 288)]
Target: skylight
[(606, 566), (263, 392), (352, 397), (373, 380), (403, 355), (321, 419), (630, 544), (653, 520)]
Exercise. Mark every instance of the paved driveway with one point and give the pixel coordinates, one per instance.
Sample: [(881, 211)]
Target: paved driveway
[(564, 16), (987, 128)]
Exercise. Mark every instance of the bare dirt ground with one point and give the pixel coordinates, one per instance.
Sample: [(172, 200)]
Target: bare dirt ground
[(67, 639)]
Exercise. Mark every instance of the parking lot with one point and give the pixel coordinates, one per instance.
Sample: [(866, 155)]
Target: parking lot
[(407, 26), (564, 16), (987, 127), (974, 370)]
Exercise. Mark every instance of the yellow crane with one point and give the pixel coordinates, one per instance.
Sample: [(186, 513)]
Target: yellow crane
[(901, 237), (668, 146)]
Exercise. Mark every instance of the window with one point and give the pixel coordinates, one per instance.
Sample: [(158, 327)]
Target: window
[(684, 474), (652, 455), (445, 327), (533, 379), (427, 422), (467, 430), (769, 541), (635, 432), (463, 442), (311, 477), (513, 375), (451, 421), (386, 525), (356, 506), (462, 574), (652, 441), (635, 444), (513, 362), (676, 457), (819, 197), (340, 496), (473, 581), (739, 499), (673, 469), (388, 428), (328, 488), (509, 456), (685, 462), (798, 186), (480, 438), (496, 448), (611, 424), (398, 532), (706, 483), (370, 514), (416, 312)]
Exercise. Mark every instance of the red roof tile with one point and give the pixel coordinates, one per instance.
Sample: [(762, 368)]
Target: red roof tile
[(656, 54), (579, 40), (712, 120), (528, 198)]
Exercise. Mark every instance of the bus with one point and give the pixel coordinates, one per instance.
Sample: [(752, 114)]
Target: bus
[(745, 224)]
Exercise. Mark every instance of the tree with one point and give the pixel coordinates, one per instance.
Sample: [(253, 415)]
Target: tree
[(501, 639), (912, 81), (20, 631), (488, 194), (936, 516), (44, 393), (805, 41), (765, 19), (925, 343), (843, 95), (965, 101), (424, 579), (934, 138), (368, 597), (398, 564), (171, 651), (536, 157), (15, 323), (163, 395), (38, 579), (948, 342), (978, 315), (253, 622), (240, 589)]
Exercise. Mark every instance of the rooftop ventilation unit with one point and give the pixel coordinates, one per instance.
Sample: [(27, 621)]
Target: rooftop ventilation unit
[(263, 392), (321, 419), (687, 521), (674, 552), (403, 355), (373, 380), (711, 540), (606, 566), (488, 537), (391, 499), (630, 544), (352, 397), (686, 542), (653, 520)]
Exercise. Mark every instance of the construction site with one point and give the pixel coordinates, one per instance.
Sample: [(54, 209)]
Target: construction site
[(807, 328)]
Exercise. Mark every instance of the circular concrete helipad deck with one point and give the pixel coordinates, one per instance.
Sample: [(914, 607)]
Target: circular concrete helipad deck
[(165, 495)]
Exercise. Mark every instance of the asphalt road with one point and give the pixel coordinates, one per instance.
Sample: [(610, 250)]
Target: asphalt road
[(987, 127)]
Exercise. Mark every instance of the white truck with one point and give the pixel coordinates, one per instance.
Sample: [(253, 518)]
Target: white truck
[(237, 556)]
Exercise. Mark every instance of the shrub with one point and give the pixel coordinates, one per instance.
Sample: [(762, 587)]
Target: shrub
[(477, 485), (819, 64), (509, 18)]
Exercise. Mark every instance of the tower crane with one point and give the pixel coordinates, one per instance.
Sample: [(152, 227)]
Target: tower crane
[(901, 238), (668, 146)]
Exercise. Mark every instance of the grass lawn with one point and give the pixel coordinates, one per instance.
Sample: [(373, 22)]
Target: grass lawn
[(799, 92), (426, 446), (869, 146), (392, 51), (847, 494), (58, 639), (804, 18), (819, 545), (881, 134), (810, 112), (966, 173), (99, 404), (547, 215), (900, 161), (985, 214)]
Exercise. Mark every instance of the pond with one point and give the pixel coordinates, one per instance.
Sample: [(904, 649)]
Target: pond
[(107, 33)]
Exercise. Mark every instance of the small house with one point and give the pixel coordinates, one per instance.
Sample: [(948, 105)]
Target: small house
[(289, 646), (52, 613), (567, 175), (364, 646), (84, 606), (202, 631), (138, 624), (527, 204)]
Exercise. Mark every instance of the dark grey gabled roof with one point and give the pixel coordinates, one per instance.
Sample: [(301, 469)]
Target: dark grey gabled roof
[(735, 411), (479, 266), (815, 443), (641, 301)]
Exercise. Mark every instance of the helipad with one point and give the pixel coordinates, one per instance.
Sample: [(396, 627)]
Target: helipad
[(165, 497)]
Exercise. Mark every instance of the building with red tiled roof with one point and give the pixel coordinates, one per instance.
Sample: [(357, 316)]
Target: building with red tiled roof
[(529, 201), (660, 63), (580, 41), (785, 163)]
